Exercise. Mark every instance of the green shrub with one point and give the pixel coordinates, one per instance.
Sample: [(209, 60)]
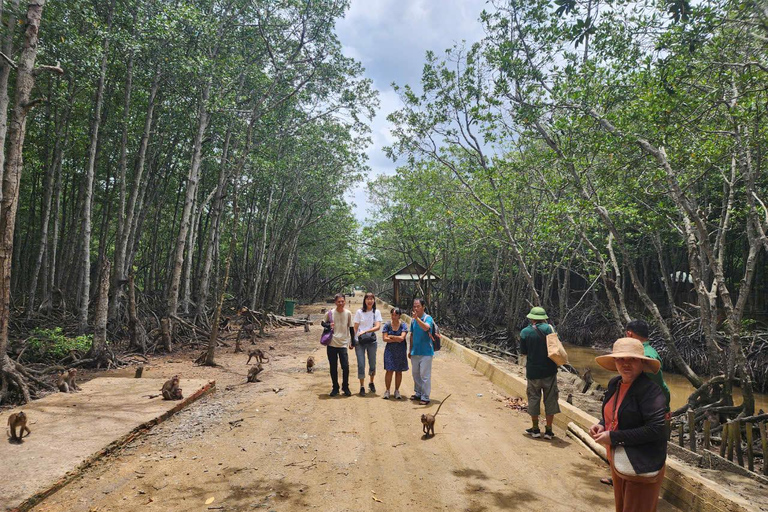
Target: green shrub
[(53, 344)]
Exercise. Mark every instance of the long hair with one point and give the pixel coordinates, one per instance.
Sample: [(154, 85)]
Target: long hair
[(365, 306)]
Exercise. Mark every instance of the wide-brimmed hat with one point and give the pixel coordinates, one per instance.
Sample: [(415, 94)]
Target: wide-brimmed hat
[(628, 347), (537, 313)]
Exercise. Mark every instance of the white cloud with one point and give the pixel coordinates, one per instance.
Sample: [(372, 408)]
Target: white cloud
[(390, 38)]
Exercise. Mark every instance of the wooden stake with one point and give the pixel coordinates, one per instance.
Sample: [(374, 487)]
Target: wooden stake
[(750, 451), (139, 371), (737, 442), (731, 429), (681, 434), (692, 430), (707, 433), (764, 442), (724, 436)]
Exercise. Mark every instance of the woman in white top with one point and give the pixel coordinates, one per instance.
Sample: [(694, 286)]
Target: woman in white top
[(367, 322)]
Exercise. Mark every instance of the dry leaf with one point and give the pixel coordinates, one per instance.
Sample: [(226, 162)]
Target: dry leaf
[(210, 500), (376, 499)]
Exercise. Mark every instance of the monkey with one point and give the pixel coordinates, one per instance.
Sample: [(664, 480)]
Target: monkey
[(71, 375), (61, 382), (588, 380), (310, 364), (428, 420), (258, 354), (18, 420), (171, 389), (253, 373)]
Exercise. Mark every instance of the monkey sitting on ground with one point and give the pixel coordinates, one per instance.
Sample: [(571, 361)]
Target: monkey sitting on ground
[(310, 364), (253, 373), (258, 354), (18, 420), (428, 420), (171, 389), (71, 375), (61, 382)]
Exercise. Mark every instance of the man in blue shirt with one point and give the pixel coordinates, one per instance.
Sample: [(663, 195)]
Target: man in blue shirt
[(421, 352)]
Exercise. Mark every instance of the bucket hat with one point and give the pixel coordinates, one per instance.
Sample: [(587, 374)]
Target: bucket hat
[(628, 347), (537, 313)]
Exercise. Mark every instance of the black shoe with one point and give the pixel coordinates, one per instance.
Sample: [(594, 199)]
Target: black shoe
[(533, 432), (548, 434), (362, 391), (372, 387), (347, 392), (333, 392)]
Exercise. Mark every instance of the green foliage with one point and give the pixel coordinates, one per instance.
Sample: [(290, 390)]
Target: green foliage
[(54, 345)]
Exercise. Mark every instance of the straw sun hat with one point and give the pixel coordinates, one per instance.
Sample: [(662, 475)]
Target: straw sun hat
[(628, 347)]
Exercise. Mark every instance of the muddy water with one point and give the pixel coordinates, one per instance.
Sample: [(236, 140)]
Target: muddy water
[(679, 387)]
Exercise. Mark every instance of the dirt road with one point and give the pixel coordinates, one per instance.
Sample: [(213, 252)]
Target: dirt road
[(283, 444)]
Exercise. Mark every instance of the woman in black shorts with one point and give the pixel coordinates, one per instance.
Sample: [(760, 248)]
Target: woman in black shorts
[(396, 351)]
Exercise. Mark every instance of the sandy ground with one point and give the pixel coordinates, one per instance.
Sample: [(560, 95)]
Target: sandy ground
[(66, 428), (284, 444)]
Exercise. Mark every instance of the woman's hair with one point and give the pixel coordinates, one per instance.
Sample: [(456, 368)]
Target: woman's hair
[(338, 296), (365, 306), (394, 311)]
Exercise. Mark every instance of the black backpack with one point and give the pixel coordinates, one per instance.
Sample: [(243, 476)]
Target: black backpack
[(434, 335)]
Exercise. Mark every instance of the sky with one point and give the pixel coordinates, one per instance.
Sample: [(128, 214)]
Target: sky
[(390, 38)]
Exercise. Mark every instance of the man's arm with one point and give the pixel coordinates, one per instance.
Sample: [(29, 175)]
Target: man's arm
[(424, 325)]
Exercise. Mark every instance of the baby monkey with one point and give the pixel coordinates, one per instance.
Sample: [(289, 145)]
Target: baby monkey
[(428, 420), (258, 354), (310, 364), (171, 389), (253, 373), (18, 420)]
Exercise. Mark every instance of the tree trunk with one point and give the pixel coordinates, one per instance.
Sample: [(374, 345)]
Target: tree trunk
[(5, 73), (99, 347), (136, 331), (25, 81), (262, 251), (212, 342), (90, 171), (119, 267), (192, 181)]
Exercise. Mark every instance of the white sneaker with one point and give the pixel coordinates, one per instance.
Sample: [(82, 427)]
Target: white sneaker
[(386, 395), (397, 394)]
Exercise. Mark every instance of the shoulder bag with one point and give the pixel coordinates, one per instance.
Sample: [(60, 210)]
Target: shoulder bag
[(327, 336), (555, 350)]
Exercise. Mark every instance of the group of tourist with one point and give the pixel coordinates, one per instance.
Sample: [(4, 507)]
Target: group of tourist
[(633, 427), (635, 409), (402, 342)]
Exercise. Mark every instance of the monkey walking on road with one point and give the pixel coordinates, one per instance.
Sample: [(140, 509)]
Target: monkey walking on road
[(428, 420), (310, 364), (18, 420), (258, 354)]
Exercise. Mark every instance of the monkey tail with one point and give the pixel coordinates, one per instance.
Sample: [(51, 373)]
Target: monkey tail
[(441, 404), (267, 359)]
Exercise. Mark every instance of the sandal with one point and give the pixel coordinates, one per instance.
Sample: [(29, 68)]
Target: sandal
[(424, 402), (607, 481), (415, 397)]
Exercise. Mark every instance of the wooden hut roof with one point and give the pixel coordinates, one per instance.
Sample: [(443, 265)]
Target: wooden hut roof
[(412, 272)]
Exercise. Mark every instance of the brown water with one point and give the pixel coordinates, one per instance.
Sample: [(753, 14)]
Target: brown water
[(679, 387)]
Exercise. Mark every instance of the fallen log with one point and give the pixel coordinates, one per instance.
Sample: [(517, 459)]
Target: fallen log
[(585, 438)]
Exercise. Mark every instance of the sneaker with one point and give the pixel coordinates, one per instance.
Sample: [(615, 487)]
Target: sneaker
[(347, 392), (372, 387), (548, 434), (333, 392), (362, 391), (397, 395), (386, 395), (533, 432)]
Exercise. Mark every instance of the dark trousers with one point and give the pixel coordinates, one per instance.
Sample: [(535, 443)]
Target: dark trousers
[(336, 355)]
